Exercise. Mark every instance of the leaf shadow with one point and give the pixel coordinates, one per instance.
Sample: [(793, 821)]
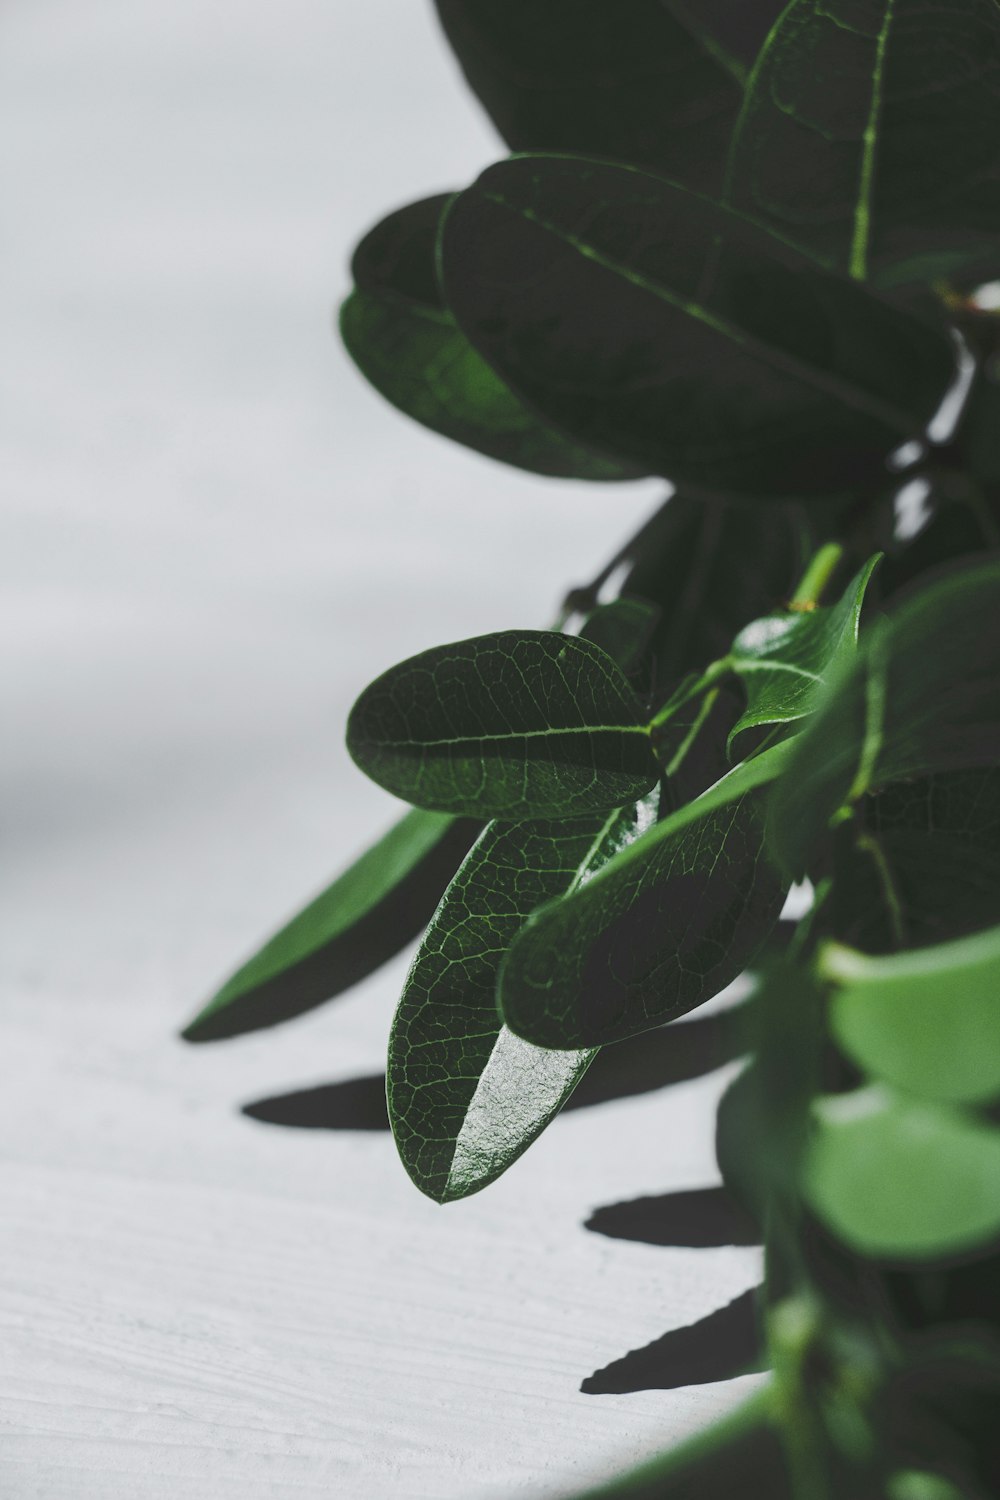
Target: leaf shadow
[(669, 1055), (721, 1346), (697, 1218)]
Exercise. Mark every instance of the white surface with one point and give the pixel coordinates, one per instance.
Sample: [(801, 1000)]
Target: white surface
[(213, 536)]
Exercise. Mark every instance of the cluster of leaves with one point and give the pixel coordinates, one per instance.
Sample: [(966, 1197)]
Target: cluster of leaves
[(737, 246)]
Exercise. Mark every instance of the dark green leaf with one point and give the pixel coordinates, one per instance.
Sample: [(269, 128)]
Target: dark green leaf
[(978, 436), (522, 724), (922, 696), (641, 83), (900, 1178), (623, 628), (359, 922), (927, 1021), (401, 336), (710, 567), (680, 337), (661, 928), (466, 1096), (869, 135), (784, 659), (923, 864)]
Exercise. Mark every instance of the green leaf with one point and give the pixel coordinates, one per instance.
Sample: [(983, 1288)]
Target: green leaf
[(366, 916), (521, 724), (662, 927), (711, 566), (900, 1178), (404, 341), (784, 659), (868, 135), (680, 337), (925, 863), (927, 1021), (466, 1096), (623, 628), (645, 85), (921, 697)]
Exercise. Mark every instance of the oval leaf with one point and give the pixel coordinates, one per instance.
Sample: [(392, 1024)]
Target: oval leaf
[(466, 1096), (869, 132), (927, 1021), (922, 696), (661, 928), (899, 1178), (404, 341), (681, 337), (521, 724), (357, 924), (645, 85), (784, 659)]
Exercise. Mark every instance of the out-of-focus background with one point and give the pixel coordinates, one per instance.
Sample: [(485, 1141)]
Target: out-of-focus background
[(213, 535)]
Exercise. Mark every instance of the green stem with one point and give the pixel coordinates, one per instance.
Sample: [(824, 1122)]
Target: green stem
[(708, 703), (701, 684), (816, 577)]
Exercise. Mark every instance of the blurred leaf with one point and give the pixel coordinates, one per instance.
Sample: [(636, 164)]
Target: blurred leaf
[(927, 1021), (899, 1178), (521, 724), (923, 864), (868, 135), (466, 1097), (784, 659), (623, 628), (921, 697), (661, 928), (381, 903), (680, 337), (640, 84), (396, 328)]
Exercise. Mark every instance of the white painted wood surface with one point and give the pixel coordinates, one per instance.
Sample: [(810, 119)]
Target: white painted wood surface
[(213, 536)]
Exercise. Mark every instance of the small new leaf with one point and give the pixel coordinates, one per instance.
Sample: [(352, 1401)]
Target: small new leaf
[(371, 911), (901, 1178), (521, 724), (784, 659), (466, 1096), (661, 928)]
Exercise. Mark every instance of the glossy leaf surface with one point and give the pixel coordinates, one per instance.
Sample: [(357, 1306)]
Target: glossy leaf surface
[(927, 1021), (922, 696), (901, 1178), (371, 911), (466, 1096), (680, 337), (396, 328), (868, 135), (784, 659), (521, 724), (661, 928), (641, 83)]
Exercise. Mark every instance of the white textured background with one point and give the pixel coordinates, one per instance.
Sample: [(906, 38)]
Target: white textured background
[(213, 535)]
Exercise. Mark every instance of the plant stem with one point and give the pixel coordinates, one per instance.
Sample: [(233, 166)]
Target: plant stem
[(816, 577), (586, 597)]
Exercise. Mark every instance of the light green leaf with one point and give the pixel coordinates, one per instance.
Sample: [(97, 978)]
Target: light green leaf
[(662, 927), (466, 1096), (922, 696), (366, 916), (521, 724), (785, 659), (868, 135), (682, 338), (900, 1178), (397, 329), (927, 1021)]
